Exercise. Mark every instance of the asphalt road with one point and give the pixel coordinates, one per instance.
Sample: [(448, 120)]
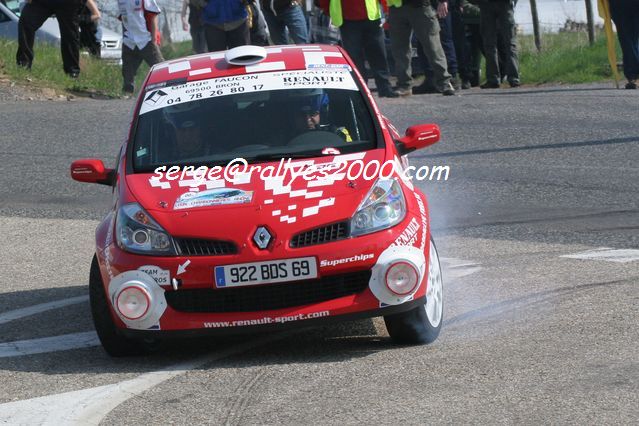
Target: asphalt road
[(530, 335)]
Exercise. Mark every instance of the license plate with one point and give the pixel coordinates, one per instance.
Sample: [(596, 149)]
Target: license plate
[(274, 271)]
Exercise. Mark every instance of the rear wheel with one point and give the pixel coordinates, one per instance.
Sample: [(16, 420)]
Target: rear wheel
[(114, 344), (422, 324)]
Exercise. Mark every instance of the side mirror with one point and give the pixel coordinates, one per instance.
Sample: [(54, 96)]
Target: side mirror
[(417, 137), (92, 170)]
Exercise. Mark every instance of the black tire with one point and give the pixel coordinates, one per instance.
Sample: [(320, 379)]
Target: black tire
[(113, 343), (414, 327)]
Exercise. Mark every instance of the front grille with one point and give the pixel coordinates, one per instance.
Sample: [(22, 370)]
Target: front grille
[(324, 234), (200, 247), (267, 296)]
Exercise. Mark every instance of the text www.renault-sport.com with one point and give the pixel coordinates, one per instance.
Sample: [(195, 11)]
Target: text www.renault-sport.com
[(266, 320)]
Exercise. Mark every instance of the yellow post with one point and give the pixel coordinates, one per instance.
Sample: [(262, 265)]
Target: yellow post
[(604, 12)]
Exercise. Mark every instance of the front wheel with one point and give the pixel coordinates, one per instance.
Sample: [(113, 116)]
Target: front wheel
[(114, 344), (422, 324)]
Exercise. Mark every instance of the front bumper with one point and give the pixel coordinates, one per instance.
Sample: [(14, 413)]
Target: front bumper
[(275, 326)]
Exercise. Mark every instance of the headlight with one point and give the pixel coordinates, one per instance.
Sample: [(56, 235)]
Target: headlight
[(137, 232), (383, 207)]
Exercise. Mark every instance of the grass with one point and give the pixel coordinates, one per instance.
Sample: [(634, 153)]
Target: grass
[(564, 58), (97, 76)]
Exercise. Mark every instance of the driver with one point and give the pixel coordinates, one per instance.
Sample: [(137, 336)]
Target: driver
[(188, 140), (188, 136), (308, 116)]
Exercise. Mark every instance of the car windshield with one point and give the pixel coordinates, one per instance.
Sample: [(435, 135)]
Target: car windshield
[(258, 117)]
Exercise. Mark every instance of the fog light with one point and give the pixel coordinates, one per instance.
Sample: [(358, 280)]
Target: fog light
[(133, 302), (402, 278)]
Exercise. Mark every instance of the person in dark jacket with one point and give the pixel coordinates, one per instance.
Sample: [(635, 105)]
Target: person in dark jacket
[(194, 24), (257, 24), (226, 24), (88, 20), (34, 14), (282, 15), (625, 14), (497, 19)]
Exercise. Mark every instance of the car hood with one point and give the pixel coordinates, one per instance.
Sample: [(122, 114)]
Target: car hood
[(232, 208)]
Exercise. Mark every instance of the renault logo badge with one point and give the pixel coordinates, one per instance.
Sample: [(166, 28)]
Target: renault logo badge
[(262, 237)]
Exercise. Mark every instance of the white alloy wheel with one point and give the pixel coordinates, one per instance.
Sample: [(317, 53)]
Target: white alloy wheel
[(434, 294)]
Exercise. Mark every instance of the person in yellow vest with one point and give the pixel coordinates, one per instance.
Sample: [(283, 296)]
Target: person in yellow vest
[(359, 22), (419, 16)]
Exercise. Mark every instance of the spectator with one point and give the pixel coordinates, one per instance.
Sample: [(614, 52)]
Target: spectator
[(497, 19), (322, 29), (418, 16), (448, 45), (34, 14), (194, 24), (257, 24), (473, 47), (282, 15), (226, 24), (88, 20), (459, 41), (625, 14), (362, 36), (140, 37)]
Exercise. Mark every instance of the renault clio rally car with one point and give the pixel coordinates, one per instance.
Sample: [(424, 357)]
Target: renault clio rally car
[(260, 189)]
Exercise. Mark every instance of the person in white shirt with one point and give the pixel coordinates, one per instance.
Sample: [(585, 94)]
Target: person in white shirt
[(140, 37)]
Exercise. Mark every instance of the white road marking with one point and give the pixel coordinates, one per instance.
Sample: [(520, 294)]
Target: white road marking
[(64, 342), (8, 316), (457, 268), (607, 254), (90, 406)]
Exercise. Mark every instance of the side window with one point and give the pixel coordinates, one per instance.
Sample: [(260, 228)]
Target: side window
[(3, 17)]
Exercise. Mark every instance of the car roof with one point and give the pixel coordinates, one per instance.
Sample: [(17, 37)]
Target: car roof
[(278, 58)]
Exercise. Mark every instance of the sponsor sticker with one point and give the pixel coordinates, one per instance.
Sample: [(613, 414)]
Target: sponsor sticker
[(321, 78), (161, 276), (356, 258), (213, 197), (331, 151), (408, 237), (155, 97), (331, 66)]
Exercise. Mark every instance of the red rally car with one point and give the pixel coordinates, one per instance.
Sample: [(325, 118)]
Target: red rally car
[(261, 188)]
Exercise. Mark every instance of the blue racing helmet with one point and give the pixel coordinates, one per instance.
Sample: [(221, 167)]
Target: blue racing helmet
[(312, 101)]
